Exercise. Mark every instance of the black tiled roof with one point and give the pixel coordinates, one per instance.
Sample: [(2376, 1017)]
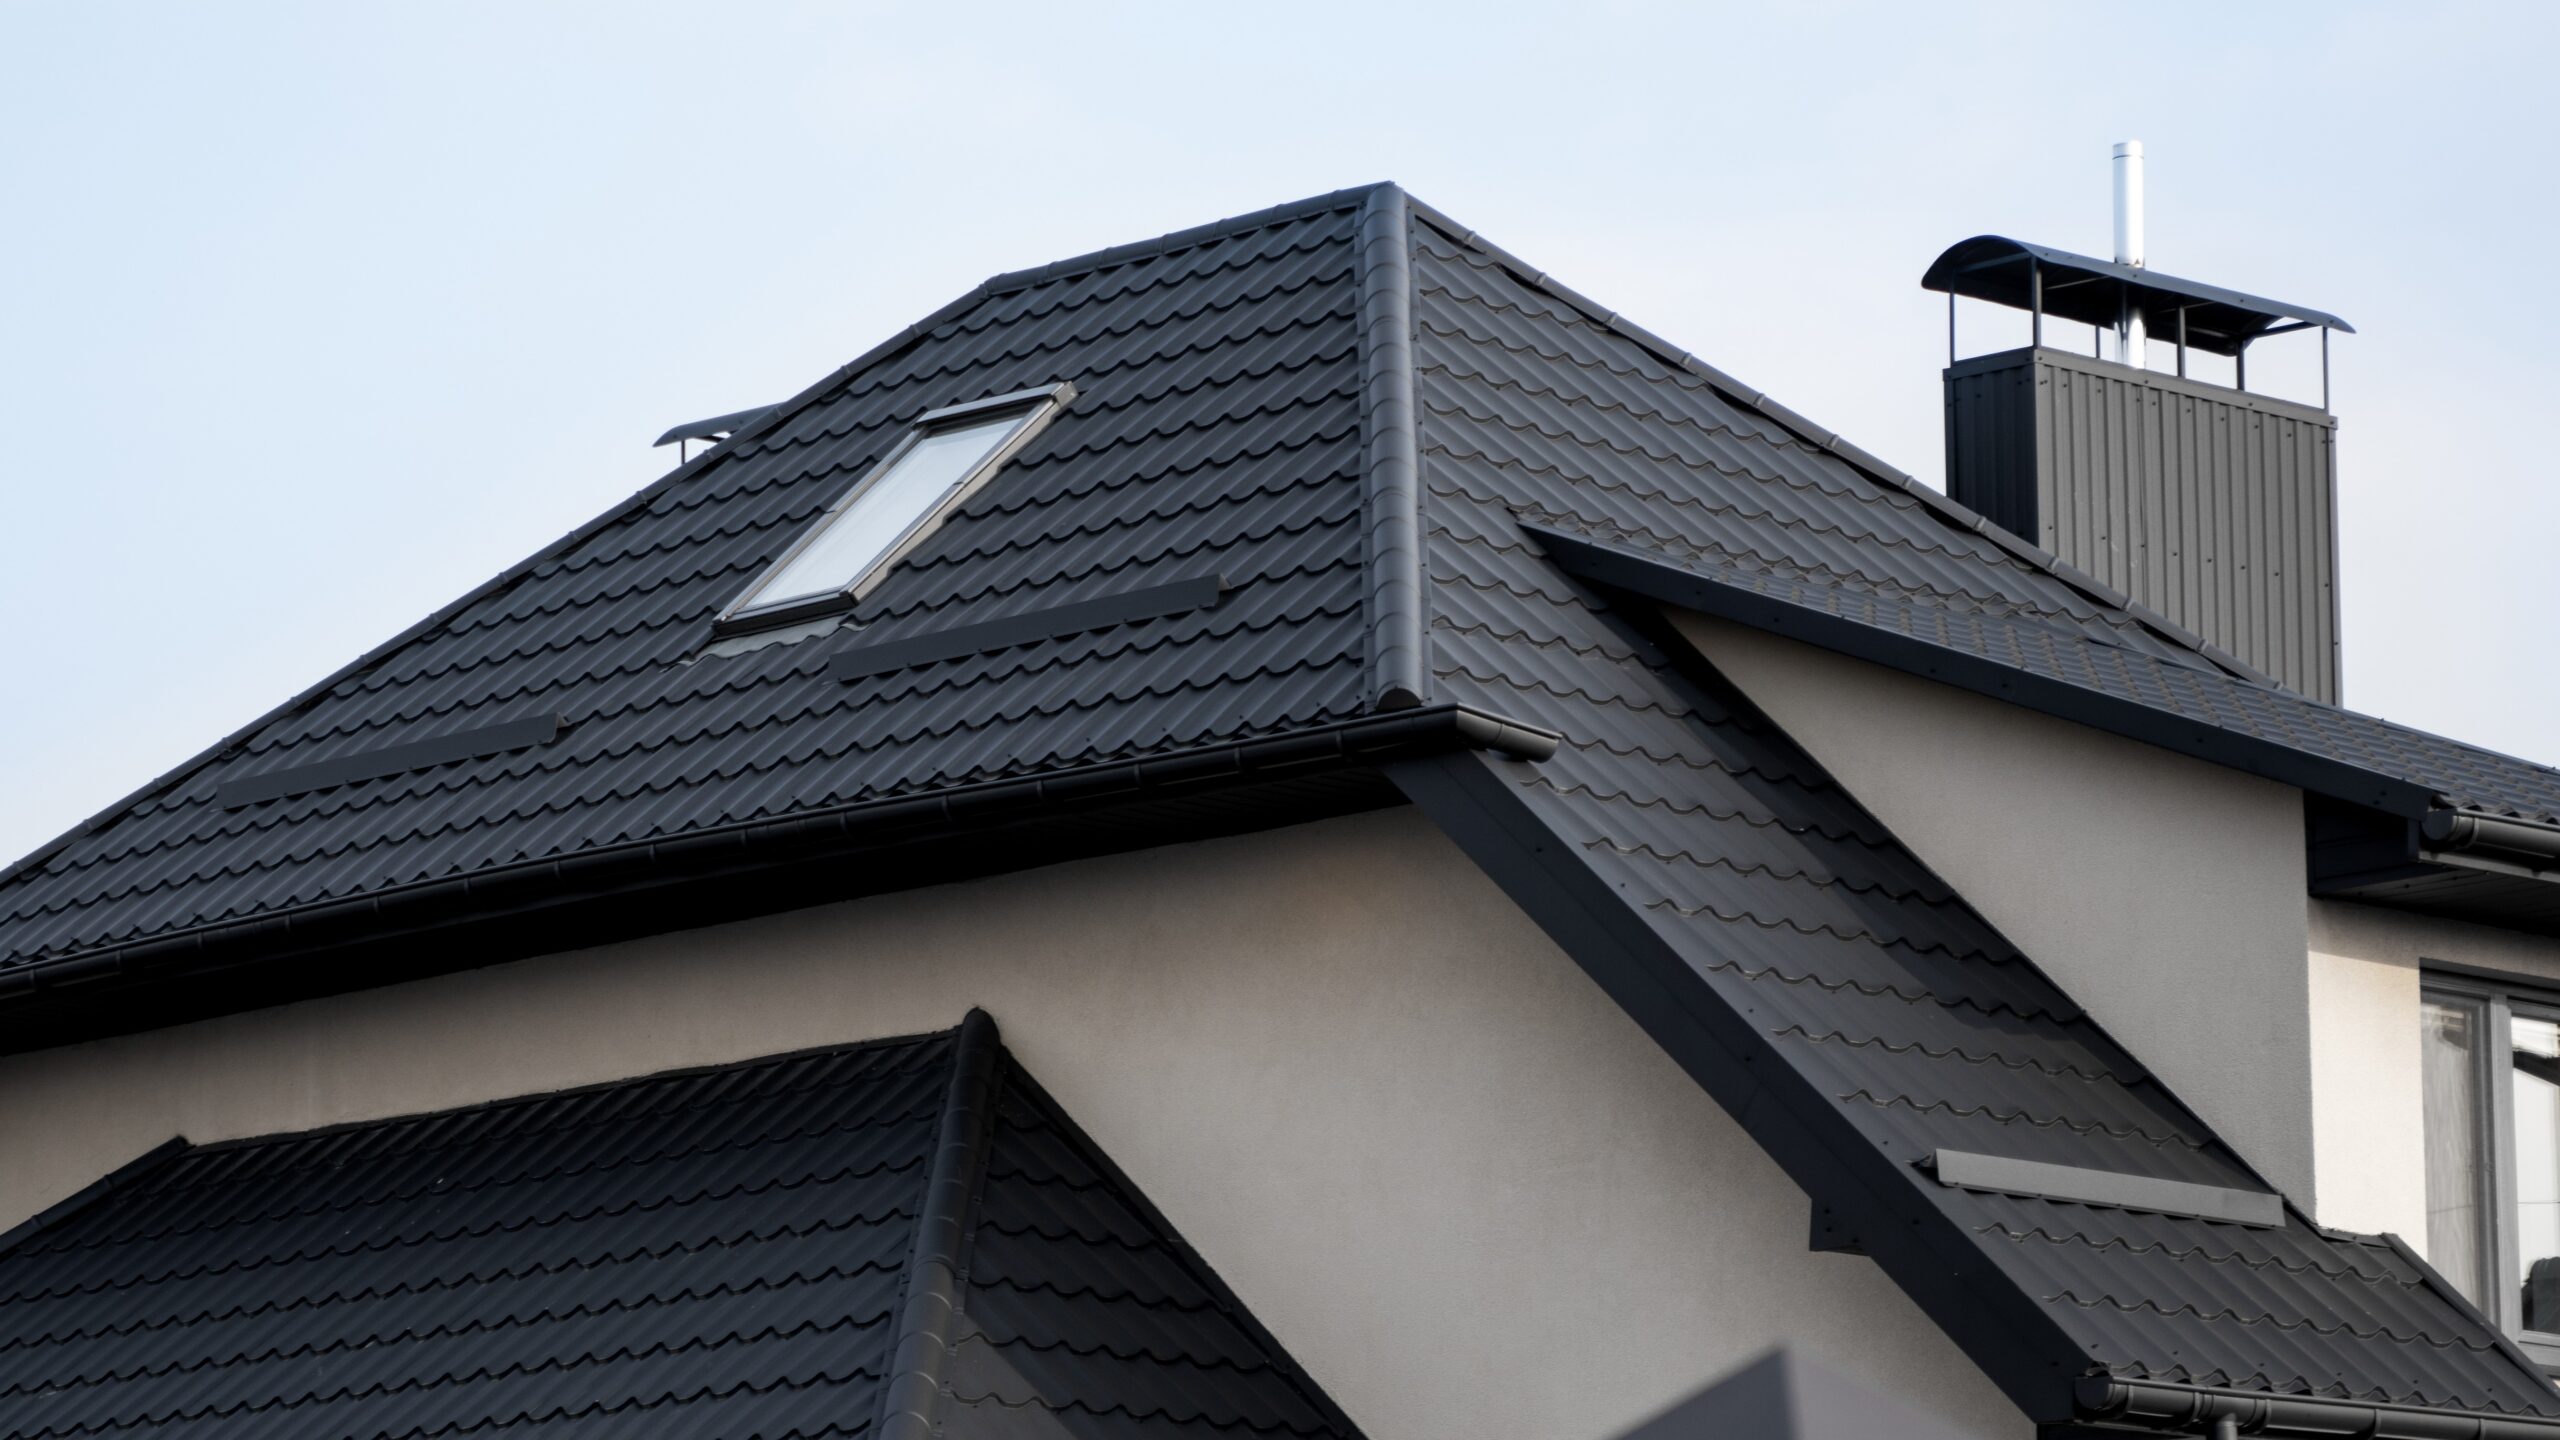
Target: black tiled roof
[(1219, 430), (1216, 431), (1850, 1009), (1594, 432), (1366, 421), (735, 1251)]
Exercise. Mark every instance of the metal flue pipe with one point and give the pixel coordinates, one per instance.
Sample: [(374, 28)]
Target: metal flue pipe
[(2130, 346)]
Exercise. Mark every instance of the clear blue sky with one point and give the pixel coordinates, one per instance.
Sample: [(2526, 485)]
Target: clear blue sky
[(316, 316)]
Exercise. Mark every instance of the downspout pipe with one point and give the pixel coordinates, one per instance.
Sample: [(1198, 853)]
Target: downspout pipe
[(2494, 837), (2189, 1410)]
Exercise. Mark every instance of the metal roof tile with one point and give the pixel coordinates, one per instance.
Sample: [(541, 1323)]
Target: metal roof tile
[(690, 1249), (1897, 1014)]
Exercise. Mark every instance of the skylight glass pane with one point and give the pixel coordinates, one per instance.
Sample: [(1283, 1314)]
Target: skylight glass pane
[(859, 534)]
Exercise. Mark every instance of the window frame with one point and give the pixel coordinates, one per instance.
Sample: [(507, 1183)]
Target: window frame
[(1039, 406), (2500, 1000)]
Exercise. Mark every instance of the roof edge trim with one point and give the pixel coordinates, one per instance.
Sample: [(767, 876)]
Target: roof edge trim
[(1669, 584), (920, 1352), (1832, 443), (1392, 476), (2161, 1405), (529, 884)]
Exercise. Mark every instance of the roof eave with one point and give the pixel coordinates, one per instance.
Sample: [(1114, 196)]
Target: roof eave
[(1668, 584), (2517, 862), (100, 981)]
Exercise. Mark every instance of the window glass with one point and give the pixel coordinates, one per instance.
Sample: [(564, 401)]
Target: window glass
[(2534, 1055), (2450, 1056), (855, 537)]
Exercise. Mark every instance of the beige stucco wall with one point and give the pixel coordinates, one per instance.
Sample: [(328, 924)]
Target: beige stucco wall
[(2162, 893), (1461, 1186)]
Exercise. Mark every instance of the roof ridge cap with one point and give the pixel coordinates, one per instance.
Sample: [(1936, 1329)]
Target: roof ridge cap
[(930, 1290), (1945, 507), (1391, 469)]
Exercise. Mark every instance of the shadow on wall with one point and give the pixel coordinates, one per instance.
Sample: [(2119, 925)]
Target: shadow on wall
[(1781, 1396)]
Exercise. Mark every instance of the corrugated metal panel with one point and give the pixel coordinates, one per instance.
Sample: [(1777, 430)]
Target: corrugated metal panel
[(2215, 507)]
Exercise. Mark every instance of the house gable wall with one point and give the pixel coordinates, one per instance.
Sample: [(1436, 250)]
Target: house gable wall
[(1449, 1174), (2162, 893), (2168, 896)]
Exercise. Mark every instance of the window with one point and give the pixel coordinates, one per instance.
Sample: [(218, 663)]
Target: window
[(948, 454), (2491, 1067)]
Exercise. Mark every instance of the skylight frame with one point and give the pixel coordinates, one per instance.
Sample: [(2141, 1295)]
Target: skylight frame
[(1039, 405)]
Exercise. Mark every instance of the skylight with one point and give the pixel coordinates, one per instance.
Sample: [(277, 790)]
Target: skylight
[(948, 454)]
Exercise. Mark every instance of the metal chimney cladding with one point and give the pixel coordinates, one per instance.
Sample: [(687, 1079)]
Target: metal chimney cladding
[(2211, 505)]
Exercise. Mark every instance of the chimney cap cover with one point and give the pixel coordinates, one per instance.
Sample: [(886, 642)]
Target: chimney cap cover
[(2093, 292)]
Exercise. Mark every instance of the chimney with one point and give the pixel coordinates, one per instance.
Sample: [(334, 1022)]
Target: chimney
[(2211, 504)]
